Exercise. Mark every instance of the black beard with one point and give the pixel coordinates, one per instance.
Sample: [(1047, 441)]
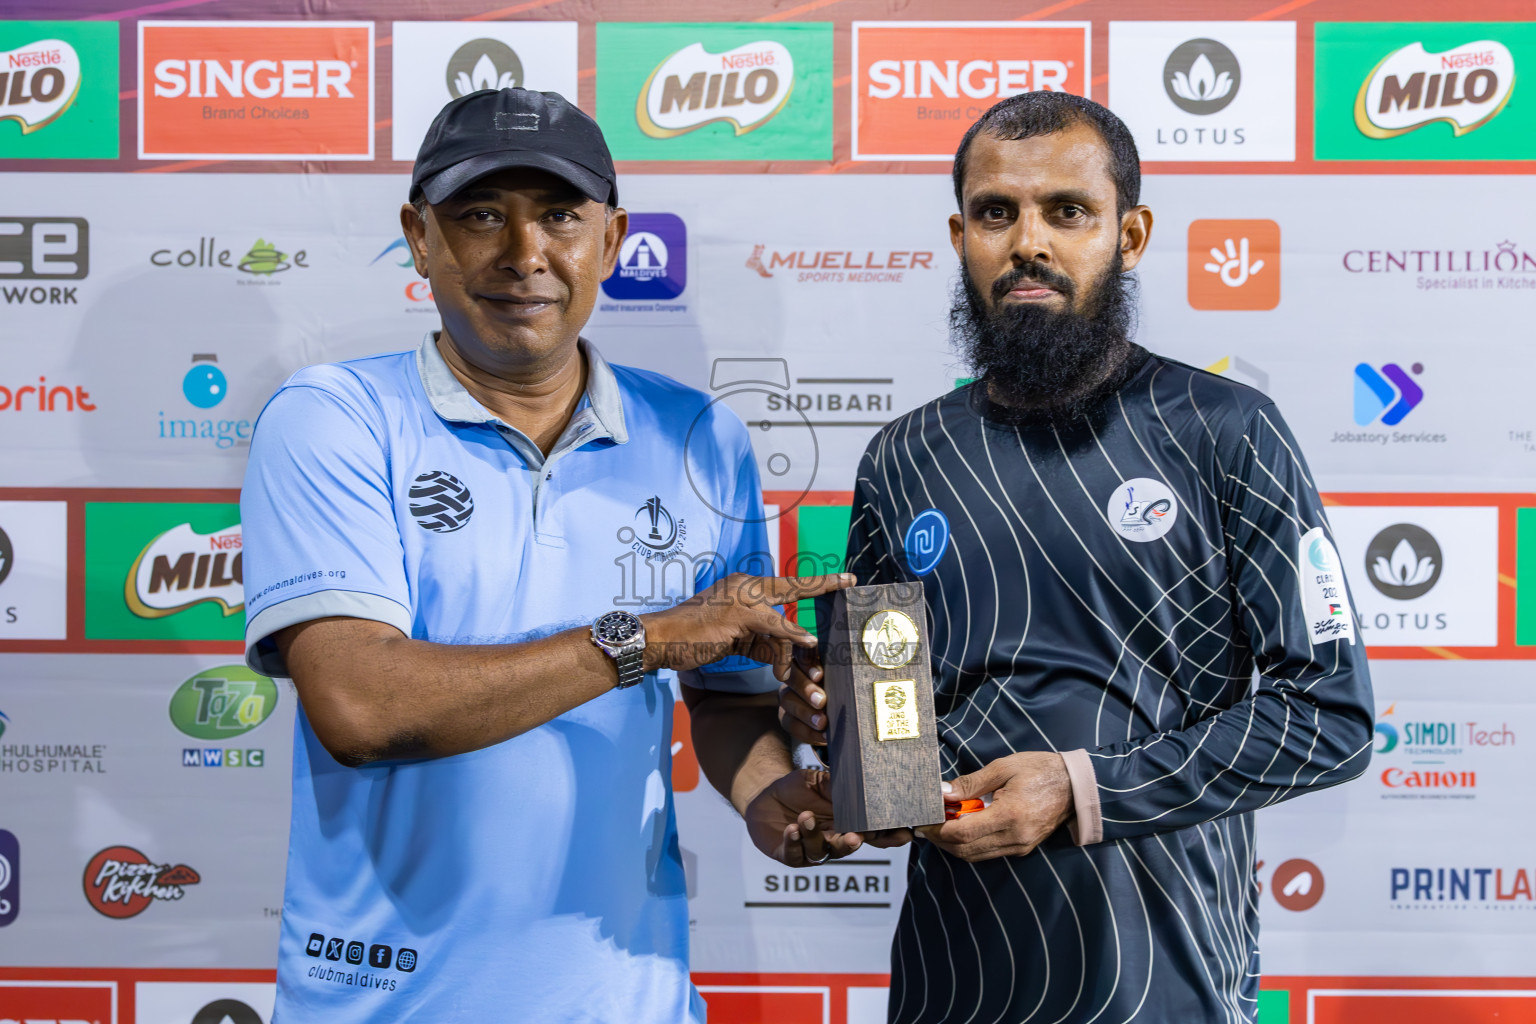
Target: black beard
[(1040, 365)]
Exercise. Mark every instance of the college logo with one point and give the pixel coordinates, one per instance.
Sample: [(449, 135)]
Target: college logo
[(256, 90), (716, 91), (653, 261), (222, 703), (121, 882), (918, 85), (58, 89), (1234, 264), (926, 541), (1404, 561), (1388, 394), (1142, 510), (263, 259), (1202, 76), (1422, 91), (440, 502), (10, 877)]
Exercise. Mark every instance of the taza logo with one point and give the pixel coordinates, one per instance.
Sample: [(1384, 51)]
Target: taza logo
[(1142, 509), (1404, 561), (744, 87), (38, 82), (483, 64), (222, 703), (1465, 87), (122, 882), (181, 568), (1202, 76), (440, 502)]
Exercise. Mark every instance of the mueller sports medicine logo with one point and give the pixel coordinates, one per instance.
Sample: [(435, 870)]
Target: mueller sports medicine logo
[(256, 90), (918, 85), (122, 882), (38, 83), (1465, 87), (744, 87), (839, 266), (1234, 264), (181, 568)]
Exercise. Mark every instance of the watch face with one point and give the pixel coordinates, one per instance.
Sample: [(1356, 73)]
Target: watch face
[(616, 628)]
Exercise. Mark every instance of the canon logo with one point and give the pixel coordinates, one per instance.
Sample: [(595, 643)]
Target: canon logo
[(262, 79), (978, 79)]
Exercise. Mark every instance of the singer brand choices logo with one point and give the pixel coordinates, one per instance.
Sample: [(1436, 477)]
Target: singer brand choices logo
[(1424, 91), (1234, 264), (716, 91), (256, 90), (122, 882), (58, 89), (163, 571)]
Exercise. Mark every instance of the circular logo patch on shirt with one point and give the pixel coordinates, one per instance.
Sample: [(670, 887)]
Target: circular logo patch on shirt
[(1142, 510), (440, 502), (926, 540)]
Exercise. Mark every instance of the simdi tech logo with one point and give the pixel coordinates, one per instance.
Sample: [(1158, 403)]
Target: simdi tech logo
[(163, 571), (726, 91), (918, 85), (1424, 91), (58, 90), (1234, 264), (252, 90)]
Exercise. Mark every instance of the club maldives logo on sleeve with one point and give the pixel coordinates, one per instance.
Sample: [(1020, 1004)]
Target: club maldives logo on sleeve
[(58, 89), (163, 571), (238, 90), (716, 91), (1424, 91), (918, 85), (120, 882)]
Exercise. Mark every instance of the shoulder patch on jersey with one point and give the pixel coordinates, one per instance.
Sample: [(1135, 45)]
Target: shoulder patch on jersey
[(1324, 600), (926, 541), (1142, 509)]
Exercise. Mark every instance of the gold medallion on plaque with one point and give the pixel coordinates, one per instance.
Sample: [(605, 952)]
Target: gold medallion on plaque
[(890, 638), (896, 710)]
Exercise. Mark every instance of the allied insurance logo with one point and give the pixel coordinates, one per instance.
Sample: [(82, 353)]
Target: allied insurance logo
[(653, 261), (918, 85), (1423, 90), (1234, 264), (58, 89), (247, 90), (716, 91)]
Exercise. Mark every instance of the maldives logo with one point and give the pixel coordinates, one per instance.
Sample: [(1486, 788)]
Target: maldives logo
[(1465, 87), (181, 568), (1388, 394), (743, 87), (653, 261), (122, 882)]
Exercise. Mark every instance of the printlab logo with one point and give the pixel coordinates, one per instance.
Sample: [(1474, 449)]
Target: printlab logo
[(10, 877), (440, 502), (483, 64), (43, 249), (1234, 264), (121, 882), (653, 261), (1142, 510), (1202, 76), (1404, 561), (1296, 885), (1388, 394), (58, 89)]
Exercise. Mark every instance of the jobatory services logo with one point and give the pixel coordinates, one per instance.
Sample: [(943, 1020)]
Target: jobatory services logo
[(1234, 264), (652, 270), (59, 1002), (58, 89), (252, 90), (438, 61), (121, 882), (918, 85), (1423, 91), (38, 251), (1386, 395), (715, 91), (10, 877), (163, 571), (33, 570), (1142, 510), (1206, 91)]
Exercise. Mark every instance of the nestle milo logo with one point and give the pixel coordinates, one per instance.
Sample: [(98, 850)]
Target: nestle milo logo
[(222, 703), (182, 567)]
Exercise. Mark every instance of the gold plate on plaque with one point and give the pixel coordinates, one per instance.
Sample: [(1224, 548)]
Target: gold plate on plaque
[(896, 709), (890, 638)]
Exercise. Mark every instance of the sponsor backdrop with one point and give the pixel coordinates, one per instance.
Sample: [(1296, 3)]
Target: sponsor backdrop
[(198, 197)]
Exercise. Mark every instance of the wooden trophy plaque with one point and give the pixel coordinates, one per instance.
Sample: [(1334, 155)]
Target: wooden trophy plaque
[(882, 734)]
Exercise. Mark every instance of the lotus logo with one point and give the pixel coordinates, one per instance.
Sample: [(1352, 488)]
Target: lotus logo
[(1403, 561), (483, 64), (744, 88), (38, 82), (1201, 76), (1465, 87)]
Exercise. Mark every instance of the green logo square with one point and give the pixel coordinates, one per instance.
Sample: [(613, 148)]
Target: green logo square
[(715, 91), (58, 89), (1424, 91), (163, 571)]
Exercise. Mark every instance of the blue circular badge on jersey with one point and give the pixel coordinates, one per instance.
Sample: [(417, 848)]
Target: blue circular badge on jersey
[(927, 538)]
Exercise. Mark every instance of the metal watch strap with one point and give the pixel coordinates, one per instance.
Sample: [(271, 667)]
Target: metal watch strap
[(631, 667)]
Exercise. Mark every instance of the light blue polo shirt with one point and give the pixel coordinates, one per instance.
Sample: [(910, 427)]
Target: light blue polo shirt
[(538, 879)]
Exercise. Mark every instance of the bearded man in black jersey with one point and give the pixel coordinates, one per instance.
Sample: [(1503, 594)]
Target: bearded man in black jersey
[(1112, 544)]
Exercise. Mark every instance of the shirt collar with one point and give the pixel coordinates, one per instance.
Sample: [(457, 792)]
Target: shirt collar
[(454, 403)]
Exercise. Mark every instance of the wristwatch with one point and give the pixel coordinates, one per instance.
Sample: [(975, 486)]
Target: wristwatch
[(622, 637)]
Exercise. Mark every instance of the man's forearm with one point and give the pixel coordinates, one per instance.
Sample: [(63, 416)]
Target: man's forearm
[(738, 742)]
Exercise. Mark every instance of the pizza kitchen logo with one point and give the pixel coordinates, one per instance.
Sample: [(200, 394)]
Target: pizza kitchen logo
[(744, 87), (121, 882), (181, 568), (1464, 87)]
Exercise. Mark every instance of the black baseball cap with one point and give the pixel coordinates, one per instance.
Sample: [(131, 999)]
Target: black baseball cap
[(494, 129)]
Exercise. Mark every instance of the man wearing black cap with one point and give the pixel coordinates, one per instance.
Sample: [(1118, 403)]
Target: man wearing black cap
[(449, 552)]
